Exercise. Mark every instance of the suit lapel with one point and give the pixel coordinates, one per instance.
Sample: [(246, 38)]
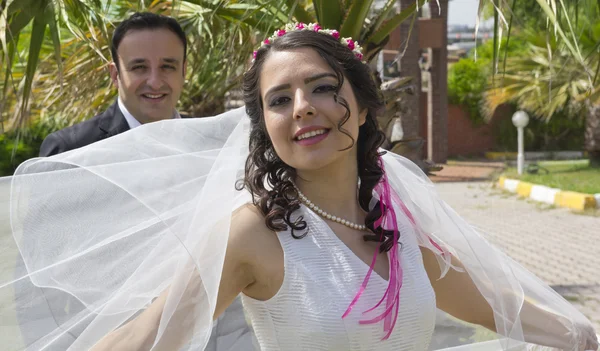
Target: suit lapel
[(113, 121)]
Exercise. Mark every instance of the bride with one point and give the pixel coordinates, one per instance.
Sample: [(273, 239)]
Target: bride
[(332, 244)]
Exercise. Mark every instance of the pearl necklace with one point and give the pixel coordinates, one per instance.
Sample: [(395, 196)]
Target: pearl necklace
[(326, 215)]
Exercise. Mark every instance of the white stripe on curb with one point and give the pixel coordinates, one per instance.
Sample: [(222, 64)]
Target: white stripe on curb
[(511, 185), (550, 196), (543, 194)]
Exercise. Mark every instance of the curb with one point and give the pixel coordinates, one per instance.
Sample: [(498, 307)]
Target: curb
[(551, 196), (537, 155)]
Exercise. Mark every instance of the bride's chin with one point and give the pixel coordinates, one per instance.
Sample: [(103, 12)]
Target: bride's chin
[(313, 164)]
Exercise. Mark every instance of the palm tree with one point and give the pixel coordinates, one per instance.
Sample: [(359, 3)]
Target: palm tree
[(553, 78), (73, 36), (221, 34), (56, 49), (65, 44), (592, 133)]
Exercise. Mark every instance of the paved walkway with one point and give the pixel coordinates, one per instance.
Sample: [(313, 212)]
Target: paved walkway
[(558, 246), (461, 171)]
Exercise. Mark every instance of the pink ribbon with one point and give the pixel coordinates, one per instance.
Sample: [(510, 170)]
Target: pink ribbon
[(387, 198), (392, 293)]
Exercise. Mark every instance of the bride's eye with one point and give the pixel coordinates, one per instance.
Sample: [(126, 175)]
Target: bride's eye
[(279, 101), (327, 88)]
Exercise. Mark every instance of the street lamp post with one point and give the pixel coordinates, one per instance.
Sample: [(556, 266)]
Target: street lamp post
[(520, 120)]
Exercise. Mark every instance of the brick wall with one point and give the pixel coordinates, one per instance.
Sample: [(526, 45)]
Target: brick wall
[(465, 139)]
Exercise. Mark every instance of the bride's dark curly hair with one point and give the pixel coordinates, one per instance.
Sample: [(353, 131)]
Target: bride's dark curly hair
[(279, 199)]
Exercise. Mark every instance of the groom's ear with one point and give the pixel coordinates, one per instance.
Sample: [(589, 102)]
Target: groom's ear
[(114, 74)]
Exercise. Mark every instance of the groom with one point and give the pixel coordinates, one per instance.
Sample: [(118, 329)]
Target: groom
[(149, 66), (148, 69)]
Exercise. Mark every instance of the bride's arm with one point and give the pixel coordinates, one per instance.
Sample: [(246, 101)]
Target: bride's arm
[(457, 295), (140, 333)]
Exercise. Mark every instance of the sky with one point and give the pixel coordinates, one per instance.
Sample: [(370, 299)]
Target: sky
[(462, 12)]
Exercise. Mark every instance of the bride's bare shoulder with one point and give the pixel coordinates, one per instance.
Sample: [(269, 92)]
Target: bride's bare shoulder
[(248, 216), (248, 223)]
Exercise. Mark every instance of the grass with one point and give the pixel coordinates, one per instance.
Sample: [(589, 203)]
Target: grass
[(565, 175)]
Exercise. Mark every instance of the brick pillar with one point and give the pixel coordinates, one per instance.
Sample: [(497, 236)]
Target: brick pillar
[(409, 67), (438, 130)]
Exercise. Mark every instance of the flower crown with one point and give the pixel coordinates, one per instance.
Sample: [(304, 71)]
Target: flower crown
[(315, 27)]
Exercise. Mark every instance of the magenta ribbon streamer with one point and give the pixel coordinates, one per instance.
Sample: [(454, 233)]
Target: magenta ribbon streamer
[(392, 293), (387, 198)]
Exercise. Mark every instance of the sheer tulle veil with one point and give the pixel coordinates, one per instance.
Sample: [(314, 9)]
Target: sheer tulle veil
[(91, 237)]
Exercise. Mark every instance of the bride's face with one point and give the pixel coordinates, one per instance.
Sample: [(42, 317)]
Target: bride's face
[(297, 89)]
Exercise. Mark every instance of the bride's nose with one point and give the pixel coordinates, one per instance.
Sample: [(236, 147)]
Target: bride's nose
[(302, 106)]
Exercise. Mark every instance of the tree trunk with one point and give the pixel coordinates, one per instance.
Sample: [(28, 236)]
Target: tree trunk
[(592, 134)]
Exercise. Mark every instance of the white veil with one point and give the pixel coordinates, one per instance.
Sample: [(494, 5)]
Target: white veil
[(90, 238)]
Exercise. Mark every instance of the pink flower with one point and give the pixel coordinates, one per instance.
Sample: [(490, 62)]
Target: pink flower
[(267, 41), (300, 25), (359, 56), (254, 54), (335, 34), (280, 32), (350, 44), (317, 27)]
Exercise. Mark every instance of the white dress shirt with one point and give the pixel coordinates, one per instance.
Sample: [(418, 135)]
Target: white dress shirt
[(131, 121)]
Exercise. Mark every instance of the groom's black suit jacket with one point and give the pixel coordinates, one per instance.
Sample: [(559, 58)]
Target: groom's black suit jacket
[(109, 123)]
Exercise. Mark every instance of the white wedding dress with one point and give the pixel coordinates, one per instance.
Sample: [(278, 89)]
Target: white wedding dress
[(322, 276)]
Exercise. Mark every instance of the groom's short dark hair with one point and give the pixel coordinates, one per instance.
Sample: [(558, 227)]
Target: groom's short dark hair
[(145, 20)]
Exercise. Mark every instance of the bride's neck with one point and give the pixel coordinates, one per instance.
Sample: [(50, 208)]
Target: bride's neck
[(335, 192)]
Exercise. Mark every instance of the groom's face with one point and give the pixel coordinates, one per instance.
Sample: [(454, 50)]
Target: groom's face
[(150, 74)]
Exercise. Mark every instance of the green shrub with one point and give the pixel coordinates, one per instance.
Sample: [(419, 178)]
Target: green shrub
[(16, 148), (467, 81), (12, 152)]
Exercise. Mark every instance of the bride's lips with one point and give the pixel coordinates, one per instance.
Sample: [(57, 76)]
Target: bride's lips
[(311, 135)]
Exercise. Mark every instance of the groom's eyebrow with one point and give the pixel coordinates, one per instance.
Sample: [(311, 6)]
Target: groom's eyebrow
[(136, 61), (171, 60)]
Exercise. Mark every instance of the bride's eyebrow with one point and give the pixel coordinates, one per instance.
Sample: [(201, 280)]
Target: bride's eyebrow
[(319, 76), (277, 88), (306, 81)]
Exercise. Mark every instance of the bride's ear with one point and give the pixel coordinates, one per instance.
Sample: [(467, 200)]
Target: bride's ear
[(362, 116)]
